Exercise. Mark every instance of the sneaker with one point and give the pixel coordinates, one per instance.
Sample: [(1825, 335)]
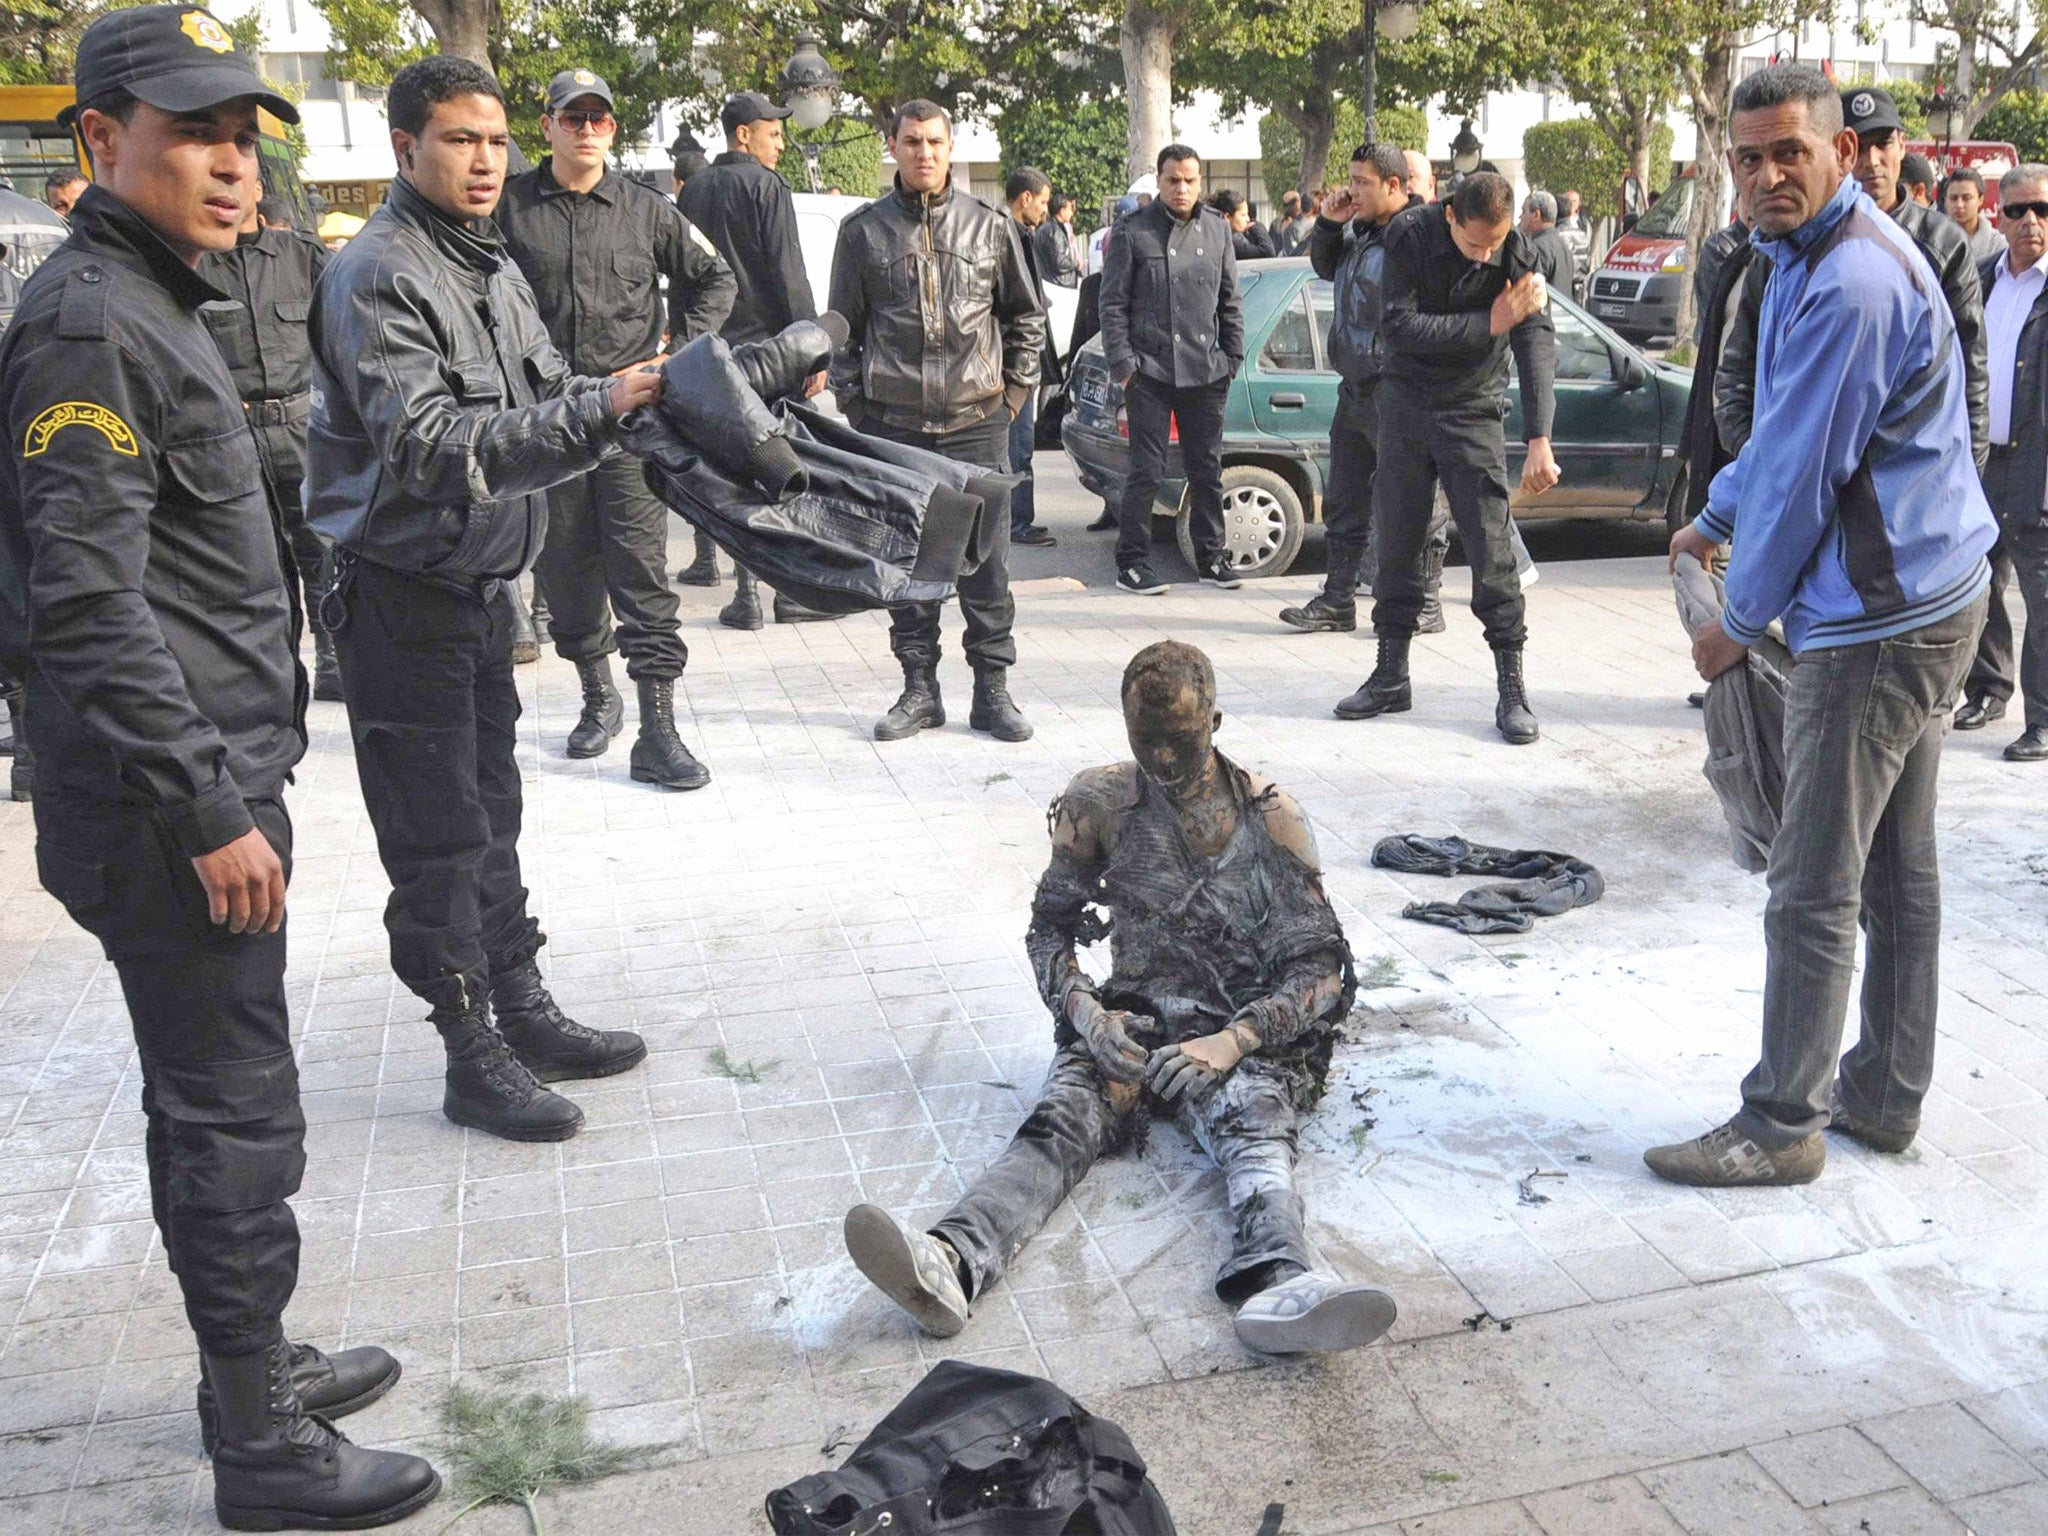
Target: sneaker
[(1219, 570), (1314, 1315), (913, 1269), (1873, 1136), (1724, 1158), (1139, 579)]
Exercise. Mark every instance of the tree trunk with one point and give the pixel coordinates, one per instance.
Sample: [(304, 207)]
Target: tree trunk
[(461, 27), (1318, 129), (1146, 42), (1709, 84)]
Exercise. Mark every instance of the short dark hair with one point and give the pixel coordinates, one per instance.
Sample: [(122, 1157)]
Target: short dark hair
[(1390, 160), (1175, 152), (1023, 181), (1967, 173), (274, 210), (1164, 670), (57, 181), (918, 110), (1485, 196), (1785, 85), (1060, 204), (1226, 201), (422, 86), (116, 103), (1916, 170)]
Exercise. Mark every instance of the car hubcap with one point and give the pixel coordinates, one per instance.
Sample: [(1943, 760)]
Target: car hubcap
[(1254, 525)]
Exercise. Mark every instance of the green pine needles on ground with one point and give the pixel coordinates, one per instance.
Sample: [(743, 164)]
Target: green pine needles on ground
[(508, 1448)]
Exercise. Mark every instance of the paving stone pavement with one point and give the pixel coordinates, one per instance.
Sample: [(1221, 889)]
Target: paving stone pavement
[(824, 949)]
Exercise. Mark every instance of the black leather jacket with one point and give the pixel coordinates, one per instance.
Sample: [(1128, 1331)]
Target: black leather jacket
[(943, 311), (441, 410), (1348, 257), (1170, 306)]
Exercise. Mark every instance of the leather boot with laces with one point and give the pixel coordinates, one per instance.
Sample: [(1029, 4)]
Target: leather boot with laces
[(993, 710), (326, 668), (1323, 613), (604, 712), (1387, 691), (702, 571), (547, 1041), (331, 1385), (490, 1089), (1512, 716), (659, 756), (918, 707), (744, 611), (277, 1467)]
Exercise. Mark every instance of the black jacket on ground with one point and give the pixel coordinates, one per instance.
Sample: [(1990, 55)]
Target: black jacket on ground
[(441, 410), (943, 315), (1349, 257), (1434, 321), (1053, 246), (746, 210), (1170, 306), (142, 588), (270, 274), (1724, 262), (595, 262), (2016, 482)]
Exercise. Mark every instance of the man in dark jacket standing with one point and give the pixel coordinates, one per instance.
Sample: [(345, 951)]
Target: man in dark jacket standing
[(595, 246), (1057, 251), (1459, 291), (143, 596), (1029, 195), (270, 274), (442, 413), (945, 327), (1173, 336)]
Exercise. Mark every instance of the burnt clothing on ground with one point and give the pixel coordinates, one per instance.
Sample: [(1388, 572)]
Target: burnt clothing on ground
[(606, 555), (747, 212), (596, 261), (943, 314), (1539, 884), (139, 547), (1170, 305)]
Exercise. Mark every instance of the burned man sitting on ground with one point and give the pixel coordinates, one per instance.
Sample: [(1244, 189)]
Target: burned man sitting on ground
[(1230, 977)]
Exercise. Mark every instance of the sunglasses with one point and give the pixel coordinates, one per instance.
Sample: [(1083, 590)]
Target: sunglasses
[(575, 120), (2010, 211)]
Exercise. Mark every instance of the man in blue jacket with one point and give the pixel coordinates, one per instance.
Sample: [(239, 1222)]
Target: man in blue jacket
[(1863, 529)]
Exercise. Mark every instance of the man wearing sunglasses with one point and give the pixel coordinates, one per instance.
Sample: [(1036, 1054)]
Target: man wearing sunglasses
[(595, 246), (2016, 479)]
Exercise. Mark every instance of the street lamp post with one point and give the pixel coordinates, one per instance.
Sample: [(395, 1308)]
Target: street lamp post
[(1395, 20), (810, 87), (1941, 122), (1466, 150)]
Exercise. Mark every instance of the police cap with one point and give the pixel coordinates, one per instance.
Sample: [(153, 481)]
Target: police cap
[(177, 58)]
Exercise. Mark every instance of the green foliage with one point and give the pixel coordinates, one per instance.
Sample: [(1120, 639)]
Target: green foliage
[(508, 1449), (2021, 119), (1078, 144), (851, 157), (739, 1071), (1280, 144), (1575, 153)]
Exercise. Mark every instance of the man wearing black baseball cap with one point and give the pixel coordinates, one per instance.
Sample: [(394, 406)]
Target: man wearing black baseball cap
[(144, 596)]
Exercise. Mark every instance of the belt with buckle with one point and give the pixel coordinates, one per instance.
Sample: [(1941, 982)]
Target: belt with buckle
[(280, 413)]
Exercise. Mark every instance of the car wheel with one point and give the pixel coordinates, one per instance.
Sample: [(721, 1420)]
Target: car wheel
[(1263, 522), (1674, 504)]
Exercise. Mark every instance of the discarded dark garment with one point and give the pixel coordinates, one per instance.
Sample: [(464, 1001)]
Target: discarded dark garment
[(976, 1450), (1541, 883), (1745, 718), (833, 518)]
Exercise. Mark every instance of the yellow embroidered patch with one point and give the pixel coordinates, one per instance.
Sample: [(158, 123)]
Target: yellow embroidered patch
[(78, 413), (205, 32)]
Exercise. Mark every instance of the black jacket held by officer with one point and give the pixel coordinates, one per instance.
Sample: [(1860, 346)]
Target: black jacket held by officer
[(143, 594), (594, 247), (442, 415)]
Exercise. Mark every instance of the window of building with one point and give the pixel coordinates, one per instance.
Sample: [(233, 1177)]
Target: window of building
[(305, 72)]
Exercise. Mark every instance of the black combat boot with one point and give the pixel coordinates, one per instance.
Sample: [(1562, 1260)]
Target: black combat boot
[(604, 712), (702, 571), (993, 710), (1387, 691), (276, 1467), (490, 1088), (1431, 620), (744, 611), (331, 1385), (659, 756), (1512, 716), (1322, 612), (549, 1043), (918, 708), (789, 611), (326, 668)]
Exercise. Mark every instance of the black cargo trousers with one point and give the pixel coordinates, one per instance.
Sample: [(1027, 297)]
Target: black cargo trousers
[(225, 1136), (279, 427), (608, 538), (1347, 499)]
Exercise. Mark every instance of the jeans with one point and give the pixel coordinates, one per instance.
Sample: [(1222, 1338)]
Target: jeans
[(1863, 730), (1153, 408), (608, 537), (985, 602), (1249, 1126), (224, 1135), (1465, 449), (2028, 542), (1347, 501), (427, 672), (1023, 439)]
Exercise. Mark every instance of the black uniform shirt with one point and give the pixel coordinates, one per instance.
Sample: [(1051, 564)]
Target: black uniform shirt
[(747, 212), (141, 580), (269, 275), (593, 260)]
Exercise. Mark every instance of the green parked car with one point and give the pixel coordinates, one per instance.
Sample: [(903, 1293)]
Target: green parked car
[(1619, 419)]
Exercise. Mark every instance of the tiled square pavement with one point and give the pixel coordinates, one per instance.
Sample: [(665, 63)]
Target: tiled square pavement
[(843, 922)]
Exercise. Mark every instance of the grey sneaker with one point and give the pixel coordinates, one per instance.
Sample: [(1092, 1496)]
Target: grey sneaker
[(1724, 1158), (1875, 1137), (913, 1269), (1314, 1315)]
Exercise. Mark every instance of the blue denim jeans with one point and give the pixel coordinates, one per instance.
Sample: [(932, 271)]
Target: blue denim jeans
[(1023, 500)]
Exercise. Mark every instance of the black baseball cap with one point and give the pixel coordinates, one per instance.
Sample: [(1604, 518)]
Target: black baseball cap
[(749, 107), (571, 83), (1869, 110), (177, 58)]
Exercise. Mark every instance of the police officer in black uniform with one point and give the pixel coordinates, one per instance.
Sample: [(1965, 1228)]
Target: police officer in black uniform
[(594, 247), (269, 275), (143, 591)]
